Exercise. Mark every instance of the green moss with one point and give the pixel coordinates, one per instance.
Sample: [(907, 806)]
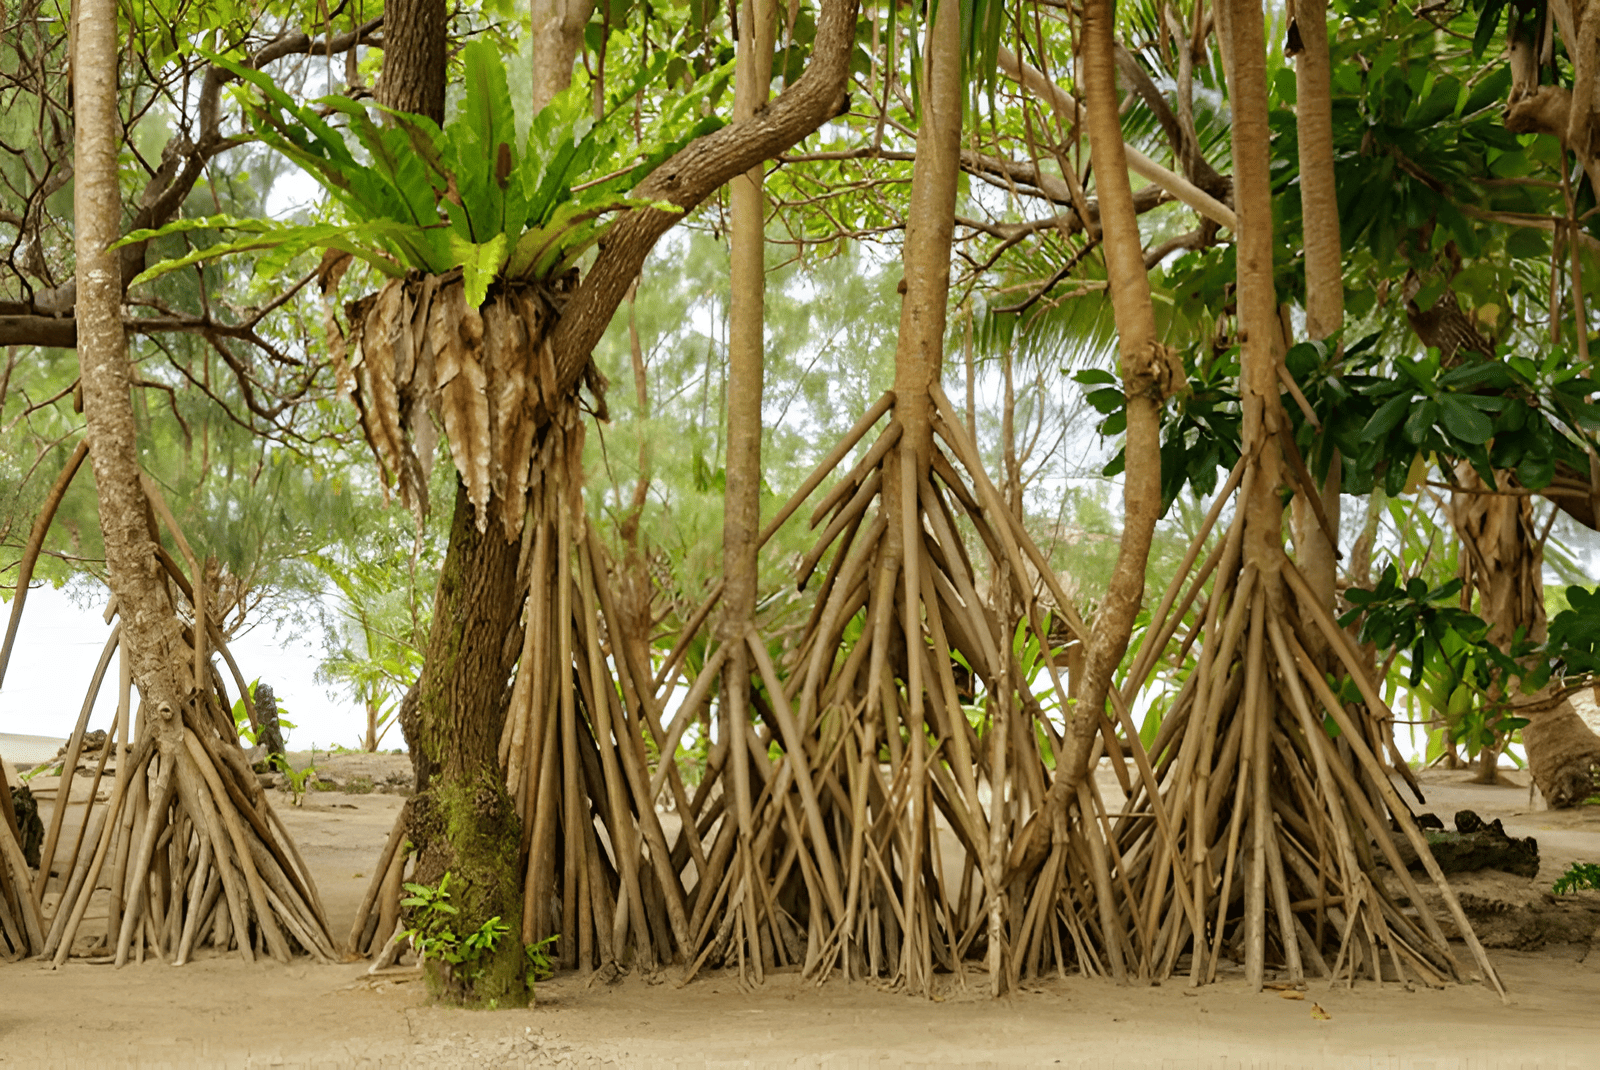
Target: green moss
[(472, 832)]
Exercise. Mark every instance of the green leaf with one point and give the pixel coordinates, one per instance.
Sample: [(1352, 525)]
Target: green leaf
[(1386, 419), (1535, 473), (1107, 400), (1490, 89), (539, 249), (286, 242), (1420, 421), (1488, 23), (1464, 421), (486, 107), (394, 158), (479, 264), (1528, 244)]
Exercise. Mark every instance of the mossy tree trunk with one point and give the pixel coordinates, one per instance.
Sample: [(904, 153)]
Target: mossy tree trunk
[(462, 820), (464, 823)]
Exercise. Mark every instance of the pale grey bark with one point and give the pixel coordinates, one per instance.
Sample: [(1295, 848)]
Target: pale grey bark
[(150, 630)]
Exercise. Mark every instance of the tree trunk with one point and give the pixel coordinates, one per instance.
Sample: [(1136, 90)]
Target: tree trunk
[(1258, 321), (930, 225), (919, 356), (741, 521), (557, 36), (414, 39), (151, 632), (1563, 755), (1504, 561), (1149, 375), (269, 735), (464, 823), (1324, 299), (1263, 416)]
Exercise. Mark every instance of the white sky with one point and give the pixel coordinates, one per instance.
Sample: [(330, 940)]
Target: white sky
[(59, 644)]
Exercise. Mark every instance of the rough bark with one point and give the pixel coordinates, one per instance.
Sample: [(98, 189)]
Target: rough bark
[(414, 39), (1503, 559), (464, 823), (1563, 756), (1149, 375), (269, 735)]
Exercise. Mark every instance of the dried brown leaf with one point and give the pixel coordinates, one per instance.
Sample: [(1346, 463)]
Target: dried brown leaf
[(375, 379), (455, 332), (508, 357), (405, 353), (337, 350)]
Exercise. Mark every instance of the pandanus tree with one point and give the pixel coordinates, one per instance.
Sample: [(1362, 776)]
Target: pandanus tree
[(484, 322), (1478, 282), (832, 841), (1266, 769), (193, 847)]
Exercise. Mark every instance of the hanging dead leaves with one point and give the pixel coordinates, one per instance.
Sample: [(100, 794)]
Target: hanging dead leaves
[(419, 357)]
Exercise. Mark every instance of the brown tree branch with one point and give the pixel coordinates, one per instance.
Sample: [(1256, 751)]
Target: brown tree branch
[(692, 174), (38, 331), (183, 161), (1185, 148)]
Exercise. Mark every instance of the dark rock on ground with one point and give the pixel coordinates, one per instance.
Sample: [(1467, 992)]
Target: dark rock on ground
[(1474, 845), (28, 823)]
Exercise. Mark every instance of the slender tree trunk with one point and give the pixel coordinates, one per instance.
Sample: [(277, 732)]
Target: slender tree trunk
[(930, 225), (635, 588), (1258, 325), (557, 36), (1319, 201), (1263, 417), (919, 357), (151, 633), (1149, 375), (741, 521)]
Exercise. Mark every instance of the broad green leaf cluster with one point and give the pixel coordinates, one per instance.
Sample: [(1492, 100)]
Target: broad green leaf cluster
[(417, 197)]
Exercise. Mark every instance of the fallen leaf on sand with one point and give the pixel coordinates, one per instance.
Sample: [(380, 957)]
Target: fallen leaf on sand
[(1291, 994), (1318, 1013)]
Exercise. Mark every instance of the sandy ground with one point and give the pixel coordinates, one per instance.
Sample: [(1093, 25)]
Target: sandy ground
[(223, 1012)]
